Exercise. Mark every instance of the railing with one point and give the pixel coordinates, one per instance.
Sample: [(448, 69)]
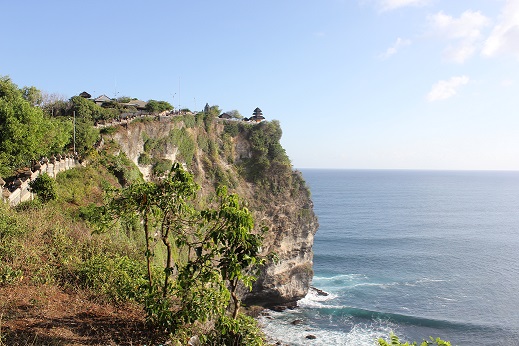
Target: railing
[(18, 190)]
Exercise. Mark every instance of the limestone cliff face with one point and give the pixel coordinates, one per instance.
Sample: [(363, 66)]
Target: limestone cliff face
[(252, 164), (292, 225)]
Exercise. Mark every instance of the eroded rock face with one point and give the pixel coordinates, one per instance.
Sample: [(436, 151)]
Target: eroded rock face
[(292, 225), (288, 214)]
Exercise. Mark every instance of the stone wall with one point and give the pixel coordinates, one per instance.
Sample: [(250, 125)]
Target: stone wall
[(18, 191)]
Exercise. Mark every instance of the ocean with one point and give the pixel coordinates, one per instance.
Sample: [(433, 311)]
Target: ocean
[(417, 253)]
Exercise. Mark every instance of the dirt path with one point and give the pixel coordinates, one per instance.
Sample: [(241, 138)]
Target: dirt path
[(47, 315)]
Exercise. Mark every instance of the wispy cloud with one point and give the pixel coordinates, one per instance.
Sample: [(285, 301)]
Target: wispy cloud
[(399, 43), (504, 38), (464, 33), (388, 5), (445, 89)]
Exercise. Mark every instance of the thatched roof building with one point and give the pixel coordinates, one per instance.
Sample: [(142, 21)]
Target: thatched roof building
[(225, 116), (257, 115)]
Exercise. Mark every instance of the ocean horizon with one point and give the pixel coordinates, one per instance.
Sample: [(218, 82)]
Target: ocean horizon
[(416, 252)]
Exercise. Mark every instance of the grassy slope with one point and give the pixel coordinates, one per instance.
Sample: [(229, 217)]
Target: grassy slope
[(61, 285), (57, 279)]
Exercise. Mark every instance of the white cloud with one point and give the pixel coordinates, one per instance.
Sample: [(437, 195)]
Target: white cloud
[(387, 5), (464, 33), (399, 43), (445, 89), (504, 38)]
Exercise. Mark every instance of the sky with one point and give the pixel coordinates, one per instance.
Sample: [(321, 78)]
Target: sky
[(355, 84)]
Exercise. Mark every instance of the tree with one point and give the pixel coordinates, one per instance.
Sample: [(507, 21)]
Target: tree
[(235, 114), (154, 106), (85, 109), (237, 247), (33, 96), (26, 133), (208, 250)]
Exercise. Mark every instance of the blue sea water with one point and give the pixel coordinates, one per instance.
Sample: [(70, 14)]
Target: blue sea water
[(418, 253)]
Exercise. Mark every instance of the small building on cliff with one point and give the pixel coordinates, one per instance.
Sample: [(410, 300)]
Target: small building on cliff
[(224, 116), (257, 116), (102, 99)]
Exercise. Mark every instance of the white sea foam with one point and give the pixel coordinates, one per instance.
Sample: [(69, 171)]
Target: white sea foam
[(447, 299), (377, 284), (426, 280), (339, 279), (314, 299), (281, 329)]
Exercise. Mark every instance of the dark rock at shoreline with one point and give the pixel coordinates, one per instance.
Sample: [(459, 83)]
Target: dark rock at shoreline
[(296, 322), (281, 308), (319, 292), (278, 308), (311, 337)]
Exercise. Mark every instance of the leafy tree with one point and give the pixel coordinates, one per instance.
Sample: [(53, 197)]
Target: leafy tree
[(235, 114), (57, 108), (85, 109), (26, 133), (237, 247), (32, 95), (86, 136), (208, 251), (124, 99), (154, 106)]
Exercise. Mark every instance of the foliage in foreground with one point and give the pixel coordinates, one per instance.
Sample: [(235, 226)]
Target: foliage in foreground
[(208, 252), (395, 341)]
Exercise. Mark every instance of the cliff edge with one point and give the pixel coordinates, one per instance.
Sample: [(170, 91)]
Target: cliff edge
[(249, 159)]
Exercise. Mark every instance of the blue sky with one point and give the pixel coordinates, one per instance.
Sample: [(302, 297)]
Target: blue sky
[(383, 84)]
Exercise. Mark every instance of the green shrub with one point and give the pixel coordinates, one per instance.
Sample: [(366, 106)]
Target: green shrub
[(231, 128), (203, 143), (81, 185), (189, 120), (44, 186), (182, 139), (123, 168), (108, 130), (395, 341), (161, 167), (119, 278), (241, 331), (144, 159)]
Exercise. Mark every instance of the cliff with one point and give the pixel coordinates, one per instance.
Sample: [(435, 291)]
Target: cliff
[(250, 161)]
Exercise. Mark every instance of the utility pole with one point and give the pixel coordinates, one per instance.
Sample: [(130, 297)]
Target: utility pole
[(75, 133)]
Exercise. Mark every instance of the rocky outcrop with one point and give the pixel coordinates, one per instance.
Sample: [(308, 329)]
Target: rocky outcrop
[(287, 212), (292, 225)]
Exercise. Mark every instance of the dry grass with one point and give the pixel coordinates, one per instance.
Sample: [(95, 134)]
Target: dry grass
[(47, 315)]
